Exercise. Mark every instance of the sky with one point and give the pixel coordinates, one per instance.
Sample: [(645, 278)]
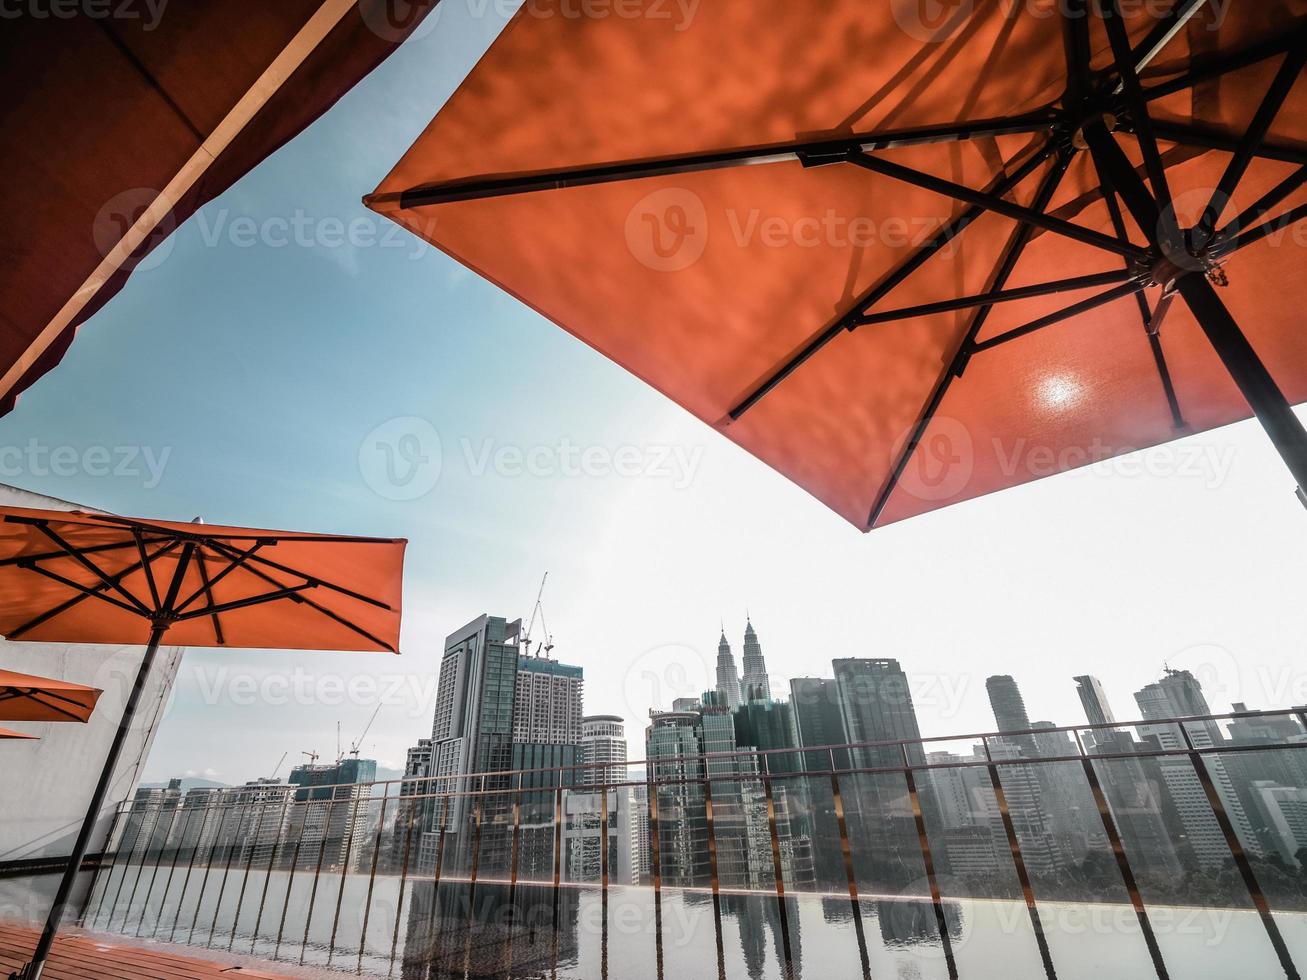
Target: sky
[(290, 360)]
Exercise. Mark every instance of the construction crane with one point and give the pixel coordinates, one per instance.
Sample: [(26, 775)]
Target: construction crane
[(279, 764), (354, 748), (547, 644), (311, 756)]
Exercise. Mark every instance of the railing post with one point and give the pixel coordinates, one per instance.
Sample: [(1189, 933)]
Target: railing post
[(440, 861), (1122, 862), (122, 879), (1019, 861), (227, 809), (777, 868), (140, 869), (846, 851), (372, 876), (245, 879), (317, 873), (928, 863), (403, 882), (282, 824), (294, 865), (656, 865), (344, 874), (226, 871), (1240, 857), (712, 871), (176, 858), (154, 875), (95, 875)]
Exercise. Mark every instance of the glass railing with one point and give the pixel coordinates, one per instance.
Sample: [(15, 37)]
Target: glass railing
[(1162, 848)]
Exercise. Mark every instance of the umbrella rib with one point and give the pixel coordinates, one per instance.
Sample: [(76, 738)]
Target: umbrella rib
[(86, 590), (63, 607), (1152, 319), (139, 538), (1223, 66), (94, 549), (1020, 239), (313, 605), (1134, 96), (1017, 212), (827, 148), (1262, 231), (290, 592), (1169, 26), (32, 695), (1262, 208), (322, 582), (1187, 134), (1102, 299), (90, 566), (888, 285), (1252, 139), (207, 587), (998, 296)]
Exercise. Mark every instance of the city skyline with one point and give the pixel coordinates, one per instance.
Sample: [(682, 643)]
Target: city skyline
[(1003, 701)]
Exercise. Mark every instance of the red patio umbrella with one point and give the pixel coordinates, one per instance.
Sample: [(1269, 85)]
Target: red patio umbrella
[(90, 578), (25, 697), (10, 733), (905, 261)]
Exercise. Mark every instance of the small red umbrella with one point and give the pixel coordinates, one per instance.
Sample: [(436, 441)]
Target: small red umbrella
[(25, 697), (10, 733), (92, 578)]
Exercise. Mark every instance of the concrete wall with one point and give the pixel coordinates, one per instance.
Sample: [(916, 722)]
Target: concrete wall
[(46, 786)]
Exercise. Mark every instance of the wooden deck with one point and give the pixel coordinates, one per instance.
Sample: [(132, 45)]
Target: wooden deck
[(77, 957)]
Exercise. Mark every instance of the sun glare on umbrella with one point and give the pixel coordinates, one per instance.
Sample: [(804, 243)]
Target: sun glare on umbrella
[(1059, 392)]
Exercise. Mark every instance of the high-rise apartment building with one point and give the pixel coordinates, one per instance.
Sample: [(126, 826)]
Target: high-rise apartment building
[(603, 750), (1179, 695), (1009, 707), (756, 686), (331, 809)]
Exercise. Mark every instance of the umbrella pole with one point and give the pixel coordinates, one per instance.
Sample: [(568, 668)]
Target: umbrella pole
[(34, 968), (1250, 374)]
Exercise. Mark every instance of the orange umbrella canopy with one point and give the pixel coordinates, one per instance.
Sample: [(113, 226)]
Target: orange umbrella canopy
[(24, 697), (874, 248), (121, 120), (10, 733), (83, 578)]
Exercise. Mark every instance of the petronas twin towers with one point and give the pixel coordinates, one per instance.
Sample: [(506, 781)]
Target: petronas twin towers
[(755, 686)]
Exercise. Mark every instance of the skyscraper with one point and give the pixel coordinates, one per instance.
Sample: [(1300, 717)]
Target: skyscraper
[(603, 749), (473, 726), (728, 681), (1009, 707), (815, 702), (1178, 695), (876, 706), (756, 686), (1094, 699)]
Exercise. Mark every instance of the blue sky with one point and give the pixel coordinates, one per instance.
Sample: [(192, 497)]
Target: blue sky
[(264, 375)]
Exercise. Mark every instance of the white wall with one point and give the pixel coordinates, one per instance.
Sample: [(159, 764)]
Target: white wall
[(46, 786)]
